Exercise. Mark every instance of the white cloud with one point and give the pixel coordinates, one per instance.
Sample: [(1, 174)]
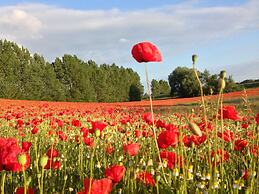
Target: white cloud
[(107, 35)]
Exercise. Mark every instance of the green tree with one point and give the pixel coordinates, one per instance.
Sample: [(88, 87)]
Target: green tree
[(183, 82)]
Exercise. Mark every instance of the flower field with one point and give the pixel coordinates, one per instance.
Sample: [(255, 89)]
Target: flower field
[(101, 148)]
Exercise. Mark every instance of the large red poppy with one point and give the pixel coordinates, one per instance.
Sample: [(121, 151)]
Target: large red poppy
[(146, 52), (102, 186), (115, 173)]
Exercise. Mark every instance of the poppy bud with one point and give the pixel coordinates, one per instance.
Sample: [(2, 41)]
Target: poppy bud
[(194, 58), (223, 74), (221, 84), (22, 159), (195, 129), (97, 133), (43, 161)]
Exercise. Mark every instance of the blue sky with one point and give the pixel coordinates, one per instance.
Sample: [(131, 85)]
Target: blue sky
[(223, 33)]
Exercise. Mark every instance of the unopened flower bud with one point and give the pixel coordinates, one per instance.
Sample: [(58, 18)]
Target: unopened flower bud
[(43, 161), (194, 58), (195, 129), (223, 74), (97, 133), (221, 84), (22, 159)]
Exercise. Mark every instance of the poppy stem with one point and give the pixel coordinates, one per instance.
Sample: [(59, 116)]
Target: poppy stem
[(153, 121), (3, 182)]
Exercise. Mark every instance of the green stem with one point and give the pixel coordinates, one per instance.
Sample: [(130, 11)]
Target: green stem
[(153, 123), (3, 182), (42, 178), (25, 181)]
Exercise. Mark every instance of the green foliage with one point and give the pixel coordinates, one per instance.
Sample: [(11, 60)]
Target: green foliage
[(183, 83), (160, 88), (26, 76)]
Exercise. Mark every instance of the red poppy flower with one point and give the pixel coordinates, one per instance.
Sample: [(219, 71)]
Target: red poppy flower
[(34, 130), (132, 149), (146, 52), (109, 149), (8, 158), (198, 140), (240, 144), (146, 178), (102, 186), (97, 125), (60, 123), (20, 190), (221, 156), (52, 153), (137, 133), (257, 118), (254, 150), (76, 123), (230, 112), (245, 174), (147, 117), (228, 135), (160, 124), (172, 128), (115, 173), (84, 131), (167, 138), (89, 141), (26, 146), (170, 157)]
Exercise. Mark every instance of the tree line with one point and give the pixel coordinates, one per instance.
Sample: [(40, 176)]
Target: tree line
[(27, 76)]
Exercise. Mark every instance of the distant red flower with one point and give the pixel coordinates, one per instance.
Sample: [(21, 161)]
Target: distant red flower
[(245, 125), (146, 178), (137, 133), (101, 186), (146, 52), (202, 126), (26, 146), (89, 141), (34, 130), (172, 128), (245, 174), (56, 165), (76, 123), (52, 153), (97, 125), (20, 190), (220, 156), (198, 140), (170, 157), (60, 123), (109, 149), (228, 135), (167, 138), (160, 124), (115, 173), (257, 118), (147, 117), (254, 150), (240, 144), (84, 131), (132, 149), (62, 136), (230, 112)]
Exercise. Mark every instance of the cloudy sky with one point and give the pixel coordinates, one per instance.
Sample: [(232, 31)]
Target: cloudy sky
[(223, 33)]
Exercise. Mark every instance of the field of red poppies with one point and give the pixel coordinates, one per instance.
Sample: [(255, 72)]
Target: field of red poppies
[(52, 147)]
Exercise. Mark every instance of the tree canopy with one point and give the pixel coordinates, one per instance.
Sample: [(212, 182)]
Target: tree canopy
[(27, 76)]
